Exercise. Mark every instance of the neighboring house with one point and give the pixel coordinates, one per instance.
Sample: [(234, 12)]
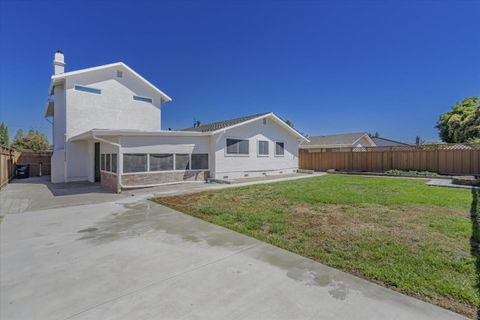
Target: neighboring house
[(347, 140), (382, 142), (106, 127)]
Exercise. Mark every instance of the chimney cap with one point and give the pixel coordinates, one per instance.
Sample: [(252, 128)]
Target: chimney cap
[(59, 51)]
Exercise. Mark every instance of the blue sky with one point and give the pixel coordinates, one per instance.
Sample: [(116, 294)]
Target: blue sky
[(329, 66)]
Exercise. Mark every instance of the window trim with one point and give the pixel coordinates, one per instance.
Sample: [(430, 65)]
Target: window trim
[(237, 154), (189, 162), (275, 151), (110, 162), (147, 164), (160, 171), (86, 91), (142, 99), (268, 149), (173, 163), (208, 161)]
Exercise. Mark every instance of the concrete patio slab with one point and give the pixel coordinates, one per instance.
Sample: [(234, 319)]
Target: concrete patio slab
[(448, 184), (129, 258)]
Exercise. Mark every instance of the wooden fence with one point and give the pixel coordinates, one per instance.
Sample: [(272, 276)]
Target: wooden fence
[(8, 159), (451, 159), (39, 163)]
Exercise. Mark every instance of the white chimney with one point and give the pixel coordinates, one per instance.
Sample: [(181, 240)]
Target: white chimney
[(58, 63)]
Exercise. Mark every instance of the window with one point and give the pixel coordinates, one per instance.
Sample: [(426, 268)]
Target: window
[(161, 162), (182, 161), (134, 162), (114, 162), (199, 161), (279, 148), (119, 73), (143, 99), (237, 146), (263, 148), (107, 162), (87, 89), (102, 162)]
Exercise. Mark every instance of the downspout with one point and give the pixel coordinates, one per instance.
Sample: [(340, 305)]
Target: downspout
[(119, 147)]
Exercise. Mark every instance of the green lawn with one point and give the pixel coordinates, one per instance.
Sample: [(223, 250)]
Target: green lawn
[(397, 232)]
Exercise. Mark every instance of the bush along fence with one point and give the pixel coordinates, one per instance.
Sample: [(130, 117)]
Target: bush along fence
[(39, 163), (448, 159)]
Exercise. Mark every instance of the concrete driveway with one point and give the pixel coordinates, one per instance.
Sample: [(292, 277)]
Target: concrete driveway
[(124, 257)]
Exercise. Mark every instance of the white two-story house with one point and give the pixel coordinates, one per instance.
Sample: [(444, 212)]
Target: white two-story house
[(107, 128)]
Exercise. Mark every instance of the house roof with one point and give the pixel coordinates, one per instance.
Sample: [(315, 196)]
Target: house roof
[(335, 140), (208, 130), (383, 142), (59, 78), (214, 126), (219, 126)]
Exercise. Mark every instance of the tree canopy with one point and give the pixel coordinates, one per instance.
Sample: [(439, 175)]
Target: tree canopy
[(34, 140), (4, 139), (462, 123)]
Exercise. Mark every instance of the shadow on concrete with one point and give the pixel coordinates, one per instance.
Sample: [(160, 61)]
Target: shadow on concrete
[(64, 189), (475, 238)]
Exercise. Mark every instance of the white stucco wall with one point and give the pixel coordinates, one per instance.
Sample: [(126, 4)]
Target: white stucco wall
[(238, 166), (114, 108), (136, 144), (76, 112), (58, 134)]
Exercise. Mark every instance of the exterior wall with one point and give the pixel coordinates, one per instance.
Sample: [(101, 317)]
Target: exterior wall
[(239, 166), (58, 134), (114, 108), (139, 144), (109, 181), (143, 179), (76, 112), (174, 145), (78, 159)]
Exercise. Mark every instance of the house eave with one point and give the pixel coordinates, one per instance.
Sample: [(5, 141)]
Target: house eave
[(91, 134)]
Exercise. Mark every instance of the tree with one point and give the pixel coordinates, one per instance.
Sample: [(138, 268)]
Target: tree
[(462, 123), (289, 122), (375, 135), (19, 134), (34, 140), (4, 139)]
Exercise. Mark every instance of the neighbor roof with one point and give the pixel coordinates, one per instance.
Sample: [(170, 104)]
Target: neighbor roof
[(335, 140), (382, 142)]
